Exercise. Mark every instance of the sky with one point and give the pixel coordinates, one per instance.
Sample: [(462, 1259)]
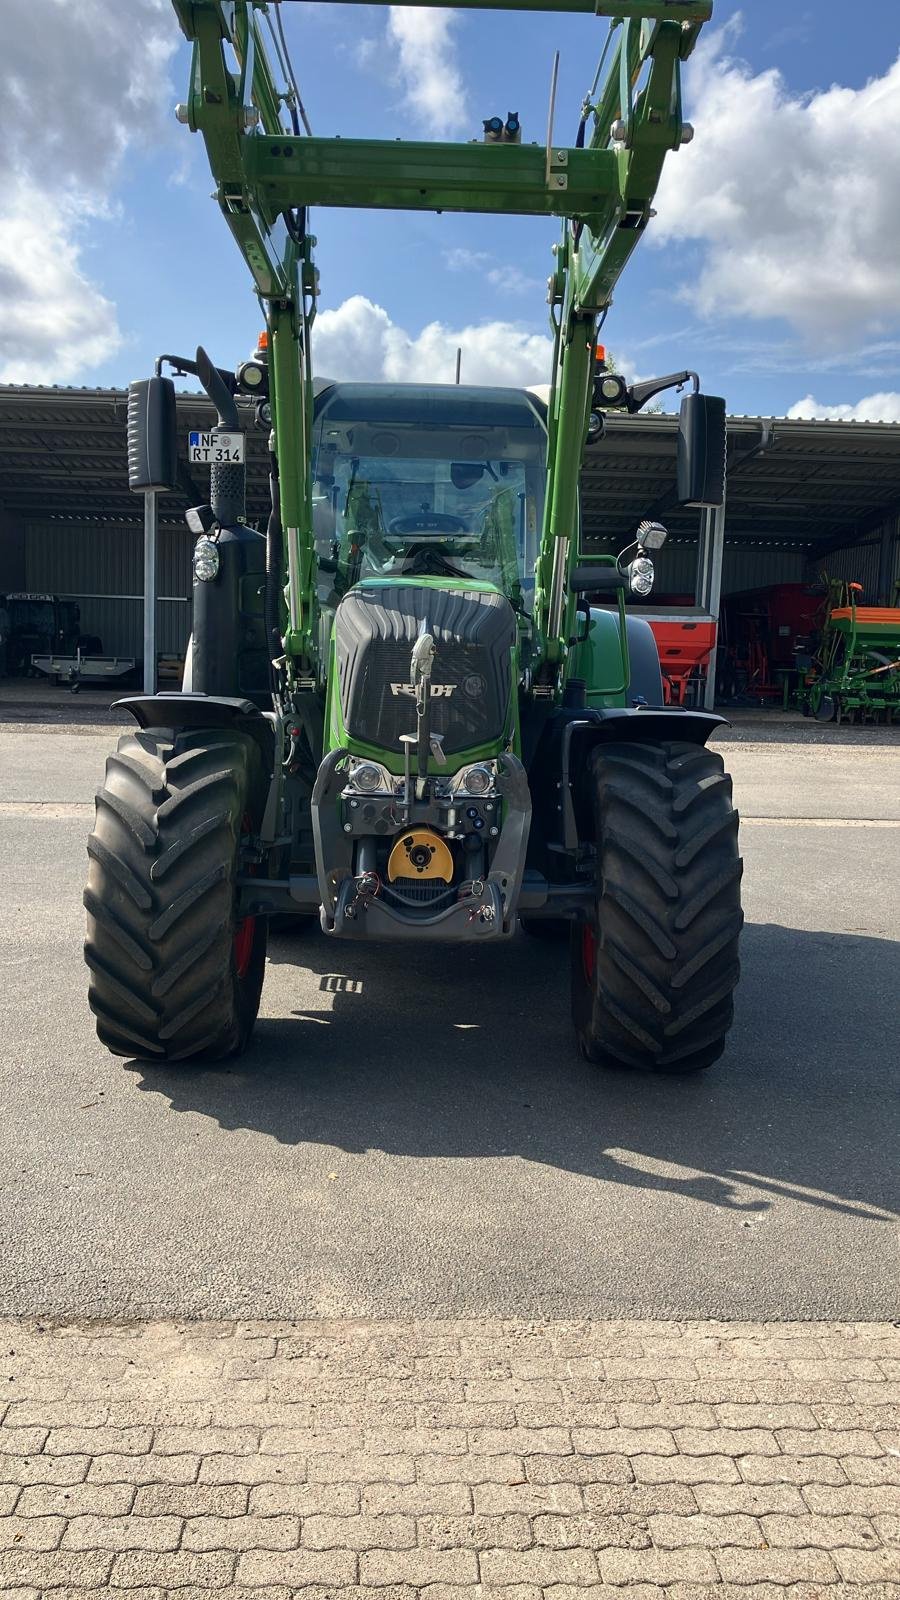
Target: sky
[(772, 266)]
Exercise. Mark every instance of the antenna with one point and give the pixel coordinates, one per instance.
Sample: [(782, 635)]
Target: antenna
[(458, 361)]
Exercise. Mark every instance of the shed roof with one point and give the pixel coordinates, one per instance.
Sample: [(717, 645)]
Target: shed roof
[(791, 482)]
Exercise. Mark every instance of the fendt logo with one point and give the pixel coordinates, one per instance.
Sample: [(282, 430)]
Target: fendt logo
[(440, 690)]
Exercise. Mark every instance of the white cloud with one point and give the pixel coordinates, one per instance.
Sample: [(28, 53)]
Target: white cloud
[(54, 323), (358, 341), (794, 198), (427, 67), (883, 407), (505, 276), (80, 89)]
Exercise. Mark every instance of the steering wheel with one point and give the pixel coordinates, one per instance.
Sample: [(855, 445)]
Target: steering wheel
[(427, 522)]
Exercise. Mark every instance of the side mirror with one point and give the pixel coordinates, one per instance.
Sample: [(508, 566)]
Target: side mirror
[(702, 445), (152, 435)]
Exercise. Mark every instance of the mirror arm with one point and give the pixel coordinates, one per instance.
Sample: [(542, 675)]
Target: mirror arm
[(222, 385), (639, 393)]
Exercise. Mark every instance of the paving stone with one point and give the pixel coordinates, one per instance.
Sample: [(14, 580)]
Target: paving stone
[(510, 1532), (363, 1469), (642, 1499), (20, 1442), (581, 1469), (820, 1533), (54, 1569), (541, 1567), (685, 1469), (591, 1532), (864, 1499), (530, 1499), (96, 1441), (30, 1533), (44, 1469), (141, 1469), (241, 1533), (727, 1442), (865, 1469), (191, 1500), (656, 1566), (311, 1499), (173, 1569), (705, 1530), (624, 1441), (418, 1499), (297, 1567), (752, 1499), (420, 1567), (472, 1469), (252, 1469), (122, 1533), (79, 1499), (791, 1469), (359, 1532), (775, 1566), (868, 1566), (825, 1442)]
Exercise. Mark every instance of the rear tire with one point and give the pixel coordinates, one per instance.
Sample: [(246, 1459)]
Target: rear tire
[(654, 969), (173, 975)]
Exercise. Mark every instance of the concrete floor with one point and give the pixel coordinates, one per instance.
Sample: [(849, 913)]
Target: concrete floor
[(416, 1134)]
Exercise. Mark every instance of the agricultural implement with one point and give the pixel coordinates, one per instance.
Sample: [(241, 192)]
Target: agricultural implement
[(858, 660), (400, 713)]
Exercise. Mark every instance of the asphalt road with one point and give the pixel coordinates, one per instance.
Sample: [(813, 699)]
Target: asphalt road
[(414, 1134)]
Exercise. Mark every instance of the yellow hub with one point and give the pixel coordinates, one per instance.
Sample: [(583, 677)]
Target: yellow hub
[(420, 853)]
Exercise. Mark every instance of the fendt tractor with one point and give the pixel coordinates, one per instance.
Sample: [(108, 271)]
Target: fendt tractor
[(401, 713)]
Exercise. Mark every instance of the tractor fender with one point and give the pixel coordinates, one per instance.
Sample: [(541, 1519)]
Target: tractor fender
[(181, 711)]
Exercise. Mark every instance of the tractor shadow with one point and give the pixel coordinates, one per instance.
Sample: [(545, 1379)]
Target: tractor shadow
[(439, 1052)]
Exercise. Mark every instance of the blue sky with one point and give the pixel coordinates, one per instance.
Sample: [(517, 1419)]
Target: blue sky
[(772, 267)]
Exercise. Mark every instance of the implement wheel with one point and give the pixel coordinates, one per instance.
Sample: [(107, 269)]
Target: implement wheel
[(174, 975), (655, 966)]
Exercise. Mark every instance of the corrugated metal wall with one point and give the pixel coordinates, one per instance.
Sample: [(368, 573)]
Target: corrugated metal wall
[(743, 567), (861, 563), (87, 563)]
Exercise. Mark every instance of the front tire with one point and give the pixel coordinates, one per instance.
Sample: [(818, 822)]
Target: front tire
[(655, 966), (174, 975)]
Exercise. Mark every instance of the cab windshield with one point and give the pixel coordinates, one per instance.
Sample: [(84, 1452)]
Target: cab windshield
[(427, 488)]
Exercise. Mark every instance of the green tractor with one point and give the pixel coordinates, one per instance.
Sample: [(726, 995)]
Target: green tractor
[(401, 712)]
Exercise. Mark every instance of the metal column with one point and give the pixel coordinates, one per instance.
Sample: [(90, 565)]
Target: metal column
[(150, 524), (709, 582)]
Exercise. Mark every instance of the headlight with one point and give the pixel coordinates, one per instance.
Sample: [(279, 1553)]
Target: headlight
[(206, 560), (367, 777), (640, 575), (475, 781)]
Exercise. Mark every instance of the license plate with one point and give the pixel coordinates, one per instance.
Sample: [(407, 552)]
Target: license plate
[(206, 448)]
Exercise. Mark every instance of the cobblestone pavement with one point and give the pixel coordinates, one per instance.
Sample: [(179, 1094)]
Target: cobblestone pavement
[(440, 1459)]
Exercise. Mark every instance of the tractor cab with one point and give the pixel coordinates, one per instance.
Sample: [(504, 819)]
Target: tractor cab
[(413, 481)]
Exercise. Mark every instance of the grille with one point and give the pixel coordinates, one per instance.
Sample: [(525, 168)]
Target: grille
[(474, 633)]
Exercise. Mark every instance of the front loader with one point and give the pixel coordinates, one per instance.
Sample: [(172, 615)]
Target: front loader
[(413, 705)]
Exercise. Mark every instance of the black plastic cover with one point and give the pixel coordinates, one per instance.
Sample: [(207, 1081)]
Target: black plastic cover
[(152, 435), (702, 446), (474, 632)]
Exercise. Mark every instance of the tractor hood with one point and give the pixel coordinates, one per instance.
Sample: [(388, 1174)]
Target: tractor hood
[(474, 629)]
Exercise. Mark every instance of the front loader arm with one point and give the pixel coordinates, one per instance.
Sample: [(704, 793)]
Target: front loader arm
[(602, 188)]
